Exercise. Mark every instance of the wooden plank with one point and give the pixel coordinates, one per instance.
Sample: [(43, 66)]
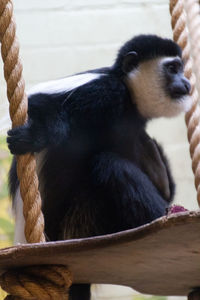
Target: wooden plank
[(160, 258)]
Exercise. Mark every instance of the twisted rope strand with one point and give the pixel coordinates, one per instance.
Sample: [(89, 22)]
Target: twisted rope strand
[(34, 221), (192, 118), (193, 22), (37, 283)]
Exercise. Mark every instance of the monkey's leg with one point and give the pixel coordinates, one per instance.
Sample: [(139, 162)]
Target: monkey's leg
[(153, 162), (134, 198), (79, 292)]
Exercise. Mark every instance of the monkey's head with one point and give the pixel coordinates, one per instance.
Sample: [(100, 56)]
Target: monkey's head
[(152, 69)]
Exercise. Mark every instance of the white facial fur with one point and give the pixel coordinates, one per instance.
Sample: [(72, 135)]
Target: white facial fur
[(145, 84)]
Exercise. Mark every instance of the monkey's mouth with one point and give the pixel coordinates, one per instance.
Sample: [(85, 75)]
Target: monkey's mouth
[(179, 95)]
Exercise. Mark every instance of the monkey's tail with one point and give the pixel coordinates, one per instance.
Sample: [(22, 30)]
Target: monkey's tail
[(79, 292)]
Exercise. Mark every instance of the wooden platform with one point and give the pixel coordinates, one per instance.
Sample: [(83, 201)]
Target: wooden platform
[(161, 258)]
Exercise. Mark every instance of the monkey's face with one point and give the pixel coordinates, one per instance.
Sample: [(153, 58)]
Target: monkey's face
[(175, 83), (159, 87)]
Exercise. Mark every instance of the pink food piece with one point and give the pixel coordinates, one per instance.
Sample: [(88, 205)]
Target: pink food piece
[(176, 209)]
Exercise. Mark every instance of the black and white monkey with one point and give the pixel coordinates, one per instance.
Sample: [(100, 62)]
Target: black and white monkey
[(99, 170)]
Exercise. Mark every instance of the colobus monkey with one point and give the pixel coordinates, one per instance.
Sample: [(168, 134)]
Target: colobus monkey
[(99, 170)]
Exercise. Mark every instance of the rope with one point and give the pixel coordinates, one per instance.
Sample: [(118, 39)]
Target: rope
[(192, 118), (37, 283), (30, 283), (193, 22), (34, 221)]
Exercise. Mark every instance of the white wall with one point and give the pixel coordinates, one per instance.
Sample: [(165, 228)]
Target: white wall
[(60, 37)]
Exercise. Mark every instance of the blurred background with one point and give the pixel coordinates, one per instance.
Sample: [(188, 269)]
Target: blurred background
[(61, 37)]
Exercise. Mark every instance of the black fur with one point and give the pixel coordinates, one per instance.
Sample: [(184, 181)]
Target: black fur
[(79, 291), (94, 178), (147, 47)]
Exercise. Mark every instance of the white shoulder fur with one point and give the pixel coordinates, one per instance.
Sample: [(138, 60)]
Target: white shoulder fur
[(63, 85)]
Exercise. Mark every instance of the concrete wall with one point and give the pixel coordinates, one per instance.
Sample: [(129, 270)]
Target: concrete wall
[(60, 37)]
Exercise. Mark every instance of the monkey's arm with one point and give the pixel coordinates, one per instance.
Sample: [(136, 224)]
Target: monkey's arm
[(47, 125), (88, 108), (133, 195), (154, 163)]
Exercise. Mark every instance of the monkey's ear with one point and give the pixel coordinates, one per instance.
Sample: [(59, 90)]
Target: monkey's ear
[(130, 61)]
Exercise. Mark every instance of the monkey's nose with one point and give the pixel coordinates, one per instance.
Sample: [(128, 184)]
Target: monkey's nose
[(187, 85)]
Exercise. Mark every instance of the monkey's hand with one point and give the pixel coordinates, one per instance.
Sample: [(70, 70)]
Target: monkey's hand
[(155, 165), (35, 136), (21, 140)]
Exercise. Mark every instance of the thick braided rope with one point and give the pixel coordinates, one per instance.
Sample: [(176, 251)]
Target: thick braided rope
[(193, 22), (192, 118), (37, 283), (31, 283), (34, 221)]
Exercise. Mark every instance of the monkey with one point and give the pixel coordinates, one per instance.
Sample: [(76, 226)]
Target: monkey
[(99, 170)]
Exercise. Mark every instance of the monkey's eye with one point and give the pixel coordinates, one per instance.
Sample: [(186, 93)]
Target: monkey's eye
[(174, 67)]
